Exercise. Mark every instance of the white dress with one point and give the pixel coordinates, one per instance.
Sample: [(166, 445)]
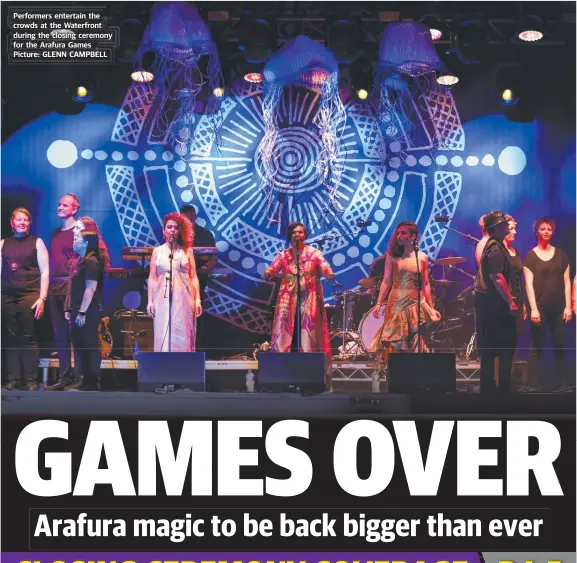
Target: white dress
[(183, 326)]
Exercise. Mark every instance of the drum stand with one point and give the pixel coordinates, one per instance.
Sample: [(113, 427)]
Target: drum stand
[(346, 330)]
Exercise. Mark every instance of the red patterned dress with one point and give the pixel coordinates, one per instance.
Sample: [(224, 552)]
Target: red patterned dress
[(314, 326)]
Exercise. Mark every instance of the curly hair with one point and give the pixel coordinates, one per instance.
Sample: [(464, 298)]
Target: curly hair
[(186, 232), (90, 225), (395, 249), (540, 221)]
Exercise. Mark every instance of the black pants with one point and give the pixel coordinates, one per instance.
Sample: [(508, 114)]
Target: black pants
[(554, 320), (62, 336), (86, 346), (496, 338), (19, 323)]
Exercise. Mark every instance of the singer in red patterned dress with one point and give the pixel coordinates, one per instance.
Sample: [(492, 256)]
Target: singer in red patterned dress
[(186, 304), (314, 326)]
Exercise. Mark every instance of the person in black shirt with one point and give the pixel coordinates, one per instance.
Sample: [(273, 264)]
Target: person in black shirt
[(62, 256), (82, 307), (549, 292), (495, 307), (25, 273)]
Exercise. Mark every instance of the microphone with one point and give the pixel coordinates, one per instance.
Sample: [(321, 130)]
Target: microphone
[(361, 223), (442, 219), (337, 284), (140, 333), (416, 244)]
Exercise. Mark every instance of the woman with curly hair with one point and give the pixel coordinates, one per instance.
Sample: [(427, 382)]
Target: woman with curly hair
[(182, 305)]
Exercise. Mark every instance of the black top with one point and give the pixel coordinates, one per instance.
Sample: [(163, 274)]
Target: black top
[(548, 280), (88, 269), (202, 237), (495, 260), (517, 281), (377, 268), (20, 270), (62, 256)]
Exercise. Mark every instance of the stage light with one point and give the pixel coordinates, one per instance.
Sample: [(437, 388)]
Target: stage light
[(253, 77), (447, 78), (471, 41), (435, 26), (508, 97), (218, 92), (258, 39), (362, 94), (142, 76), (82, 94), (530, 29)]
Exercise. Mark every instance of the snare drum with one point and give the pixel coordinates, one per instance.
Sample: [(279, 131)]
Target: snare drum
[(369, 327)]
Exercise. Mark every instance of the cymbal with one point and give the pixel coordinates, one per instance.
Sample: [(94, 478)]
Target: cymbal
[(445, 282), (449, 261), (369, 283), (466, 291)]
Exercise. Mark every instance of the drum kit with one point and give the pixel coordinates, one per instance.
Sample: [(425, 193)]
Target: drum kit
[(353, 326)]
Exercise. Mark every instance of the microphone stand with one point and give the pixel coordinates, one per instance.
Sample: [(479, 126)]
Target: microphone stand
[(419, 288), (470, 237), (298, 323), (170, 260)]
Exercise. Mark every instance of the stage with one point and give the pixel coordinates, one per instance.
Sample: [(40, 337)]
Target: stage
[(281, 405)]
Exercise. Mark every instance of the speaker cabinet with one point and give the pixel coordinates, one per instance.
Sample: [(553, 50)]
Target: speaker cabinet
[(176, 370), (422, 373), (291, 372)]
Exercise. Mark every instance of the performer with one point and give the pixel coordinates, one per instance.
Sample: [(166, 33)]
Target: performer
[(84, 295), (549, 292), (62, 256), (495, 307), (518, 279), (377, 271), (399, 290), (314, 328), (481, 244), (186, 303), (25, 276)]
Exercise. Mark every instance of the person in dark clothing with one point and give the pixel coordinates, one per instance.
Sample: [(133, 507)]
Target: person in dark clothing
[(62, 256), (25, 274), (82, 308), (202, 238), (548, 286), (495, 307), (518, 279)]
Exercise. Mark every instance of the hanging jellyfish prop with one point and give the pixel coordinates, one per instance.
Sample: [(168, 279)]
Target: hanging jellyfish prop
[(308, 64), (406, 83), (178, 38)]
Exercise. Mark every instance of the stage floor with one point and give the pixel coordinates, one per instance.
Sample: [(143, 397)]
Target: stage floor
[(190, 404)]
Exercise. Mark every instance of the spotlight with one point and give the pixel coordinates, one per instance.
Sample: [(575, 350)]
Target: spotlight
[(530, 29), (254, 77), (82, 95), (435, 26), (362, 94), (142, 76), (218, 92), (362, 77), (447, 76), (508, 97)]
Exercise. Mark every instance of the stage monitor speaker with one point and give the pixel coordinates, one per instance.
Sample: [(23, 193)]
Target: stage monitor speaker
[(291, 372), (173, 370), (422, 373)]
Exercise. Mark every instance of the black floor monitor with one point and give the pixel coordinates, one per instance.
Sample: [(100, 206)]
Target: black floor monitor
[(422, 373), (171, 371), (291, 372)]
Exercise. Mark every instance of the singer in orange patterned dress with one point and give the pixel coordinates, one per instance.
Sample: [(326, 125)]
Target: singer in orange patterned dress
[(314, 326), (400, 288)]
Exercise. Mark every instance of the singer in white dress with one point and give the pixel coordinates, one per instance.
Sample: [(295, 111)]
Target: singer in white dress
[(174, 326)]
